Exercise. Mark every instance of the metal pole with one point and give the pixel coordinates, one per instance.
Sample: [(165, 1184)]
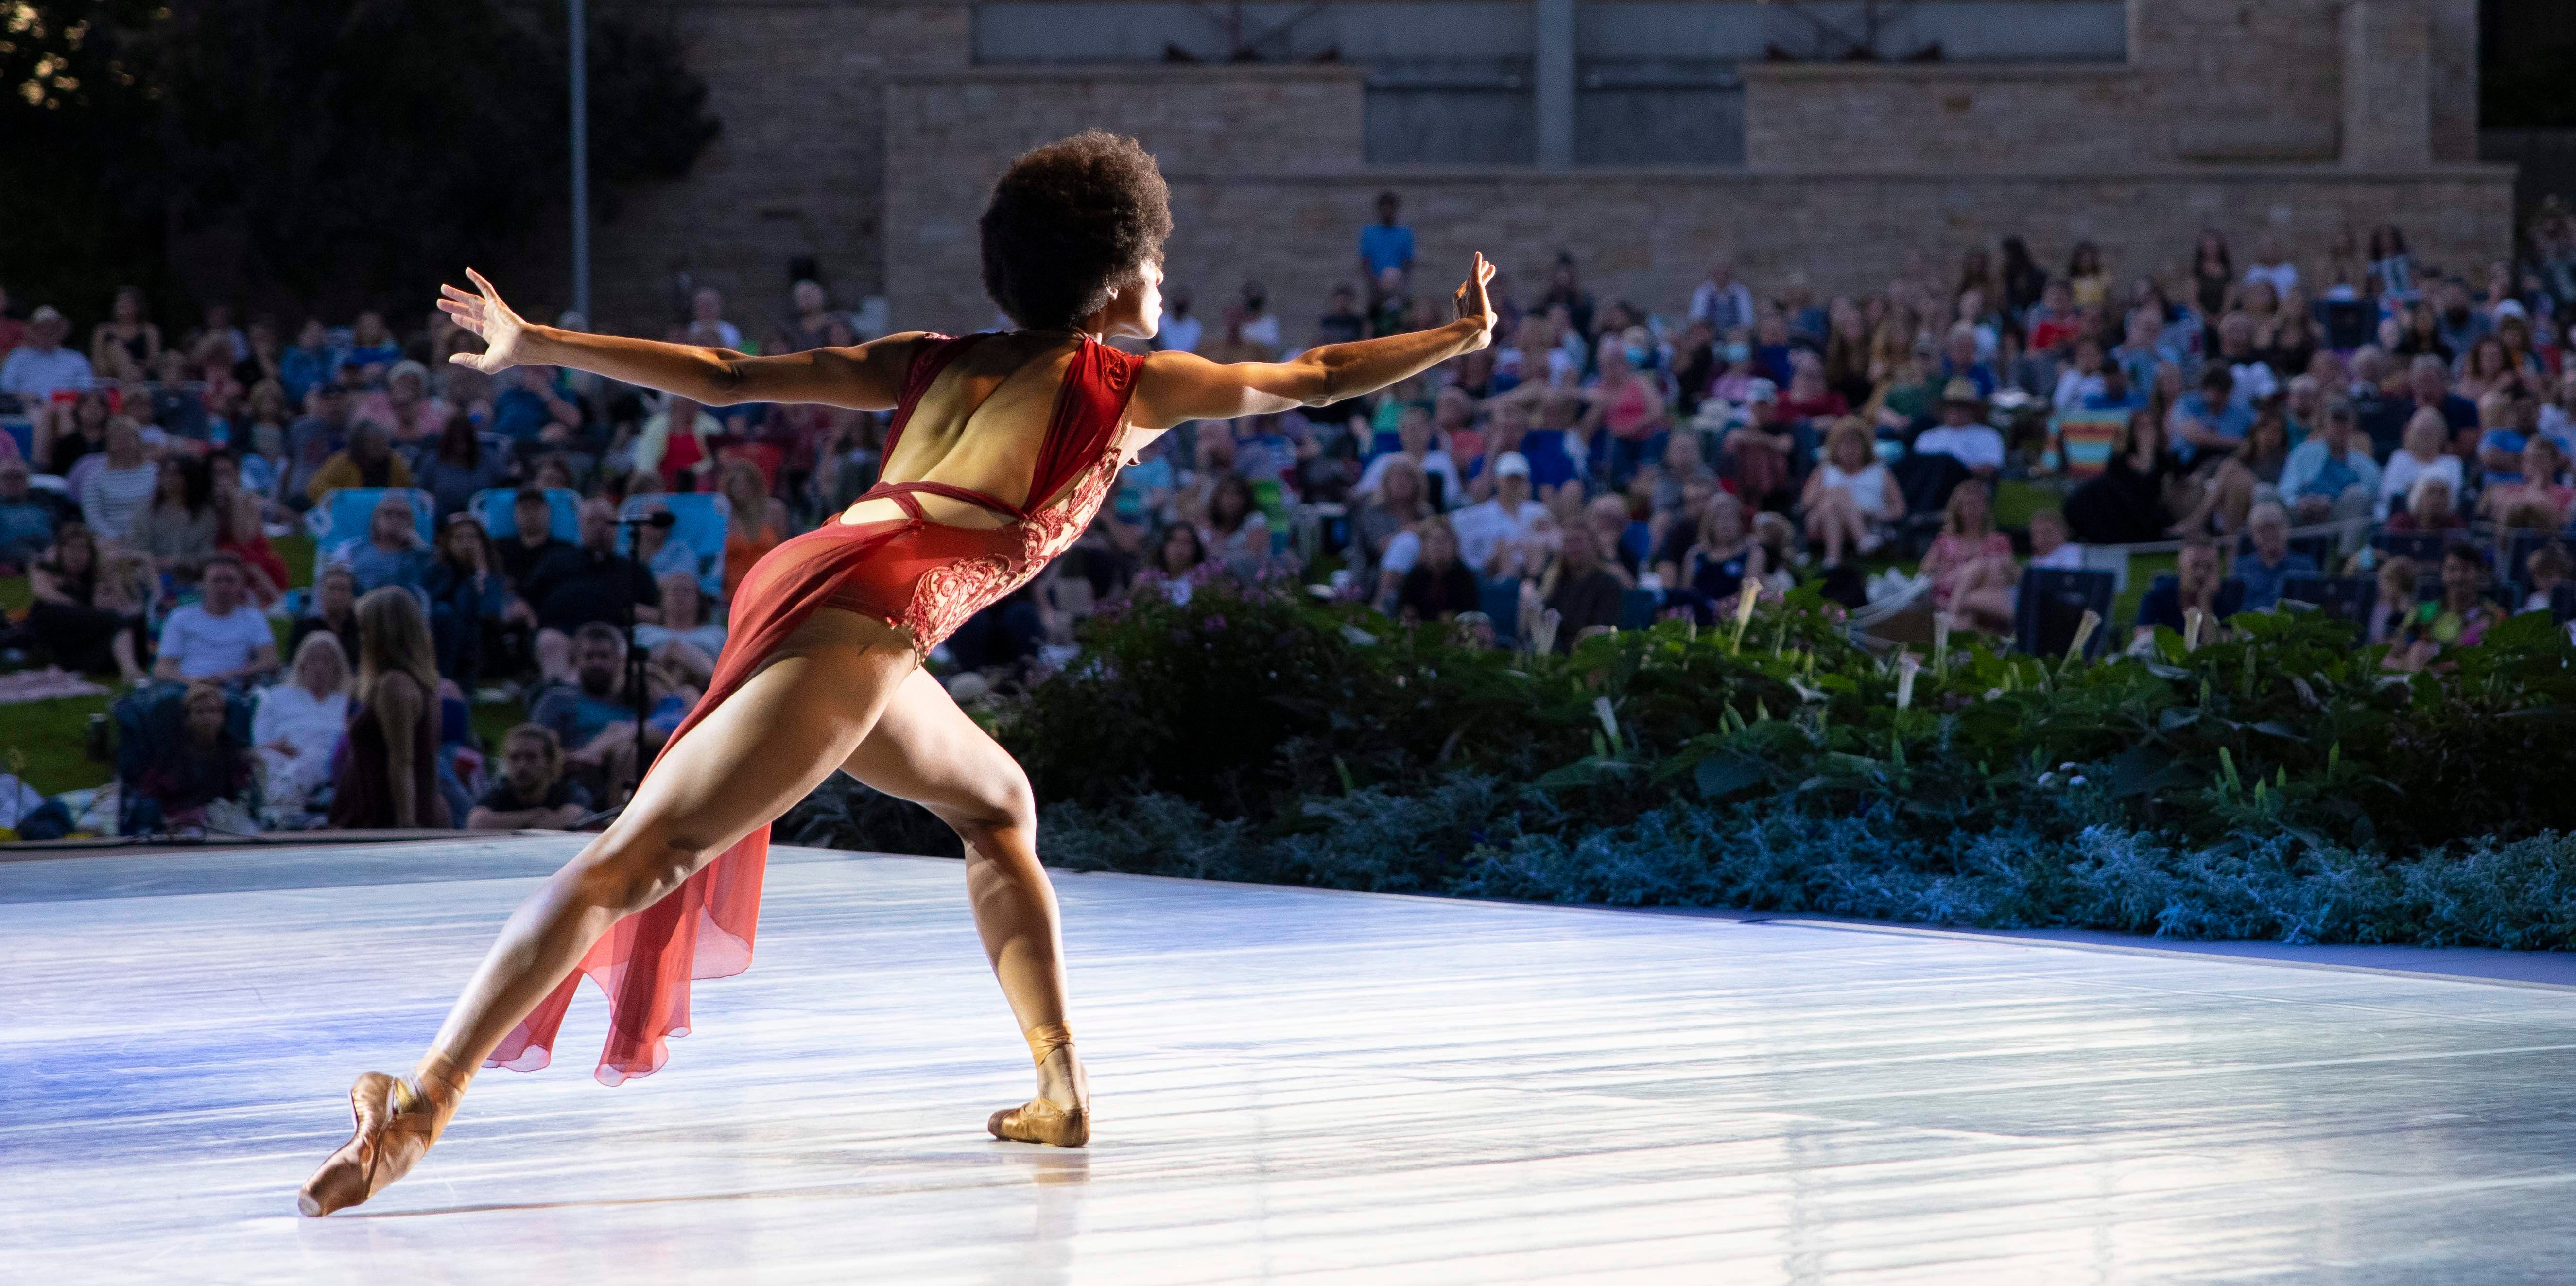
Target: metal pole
[(580, 167)]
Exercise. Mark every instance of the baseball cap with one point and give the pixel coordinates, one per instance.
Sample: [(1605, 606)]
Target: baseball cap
[(1511, 464), (44, 313), (1761, 391)]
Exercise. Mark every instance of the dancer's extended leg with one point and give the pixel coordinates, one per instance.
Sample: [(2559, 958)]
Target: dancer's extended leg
[(923, 748), (770, 743)]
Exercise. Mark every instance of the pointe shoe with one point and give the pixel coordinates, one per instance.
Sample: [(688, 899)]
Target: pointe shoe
[(1042, 1120), (396, 1124)]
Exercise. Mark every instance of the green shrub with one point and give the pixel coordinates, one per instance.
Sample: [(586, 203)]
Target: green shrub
[(2277, 785)]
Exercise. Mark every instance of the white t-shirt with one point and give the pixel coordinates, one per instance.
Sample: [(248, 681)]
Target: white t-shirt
[(1974, 445), (1263, 329), (206, 644), (1403, 550), (2068, 557), (2397, 480), (1484, 527), (2283, 276), (1867, 488)]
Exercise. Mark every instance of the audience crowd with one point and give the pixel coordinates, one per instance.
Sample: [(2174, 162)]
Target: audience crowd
[(2335, 415)]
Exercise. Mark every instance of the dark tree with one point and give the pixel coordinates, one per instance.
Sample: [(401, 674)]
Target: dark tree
[(308, 154)]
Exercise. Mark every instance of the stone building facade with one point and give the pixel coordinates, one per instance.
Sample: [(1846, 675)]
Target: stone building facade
[(863, 134)]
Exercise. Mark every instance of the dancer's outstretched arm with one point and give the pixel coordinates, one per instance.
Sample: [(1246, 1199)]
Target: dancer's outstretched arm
[(1177, 387), (864, 377)]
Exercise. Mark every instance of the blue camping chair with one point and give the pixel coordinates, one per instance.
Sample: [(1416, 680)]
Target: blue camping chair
[(342, 515), (2345, 598), (153, 717), (703, 520), (493, 508), (2049, 607)]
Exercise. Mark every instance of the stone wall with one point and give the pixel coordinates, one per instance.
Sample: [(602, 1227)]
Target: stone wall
[(1648, 236), (857, 131)]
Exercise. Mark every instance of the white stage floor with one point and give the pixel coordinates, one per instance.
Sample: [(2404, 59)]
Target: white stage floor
[(1287, 1085)]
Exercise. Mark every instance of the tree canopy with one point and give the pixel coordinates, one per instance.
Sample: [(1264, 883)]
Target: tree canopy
[(322, 154)]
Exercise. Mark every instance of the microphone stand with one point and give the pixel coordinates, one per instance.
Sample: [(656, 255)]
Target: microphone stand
[(635, 660)]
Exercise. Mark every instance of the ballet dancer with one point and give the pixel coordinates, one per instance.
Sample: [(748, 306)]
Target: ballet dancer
[(1001, 449)]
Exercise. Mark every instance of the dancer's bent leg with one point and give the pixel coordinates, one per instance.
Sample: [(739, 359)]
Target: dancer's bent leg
[(769, 744), (923, 748)]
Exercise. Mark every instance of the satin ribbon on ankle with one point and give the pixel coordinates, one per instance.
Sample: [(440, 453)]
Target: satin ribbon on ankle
[(1046, 1038)]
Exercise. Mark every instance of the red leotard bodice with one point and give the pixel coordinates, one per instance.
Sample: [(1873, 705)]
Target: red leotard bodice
[(921, 576)]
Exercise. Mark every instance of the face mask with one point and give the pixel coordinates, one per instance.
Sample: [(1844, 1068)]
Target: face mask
[(1636, 356), (1738, 351)]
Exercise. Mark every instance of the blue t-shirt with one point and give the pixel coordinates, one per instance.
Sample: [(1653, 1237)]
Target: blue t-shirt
[(26, 528), (2263, 582), (2230, 421), (2512, 440), (576, 716), (2332, 479), (1136, 482), (519, 415), (1551, 465), (1386, 245)]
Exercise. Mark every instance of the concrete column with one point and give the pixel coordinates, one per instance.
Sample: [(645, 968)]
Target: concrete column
[(1555, 74), (2387, 84)]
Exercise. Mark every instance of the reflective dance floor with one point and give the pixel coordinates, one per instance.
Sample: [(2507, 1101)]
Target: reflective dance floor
[(1288, 1085)]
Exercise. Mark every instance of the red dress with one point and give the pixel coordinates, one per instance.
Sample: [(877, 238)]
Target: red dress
[(910, 572)]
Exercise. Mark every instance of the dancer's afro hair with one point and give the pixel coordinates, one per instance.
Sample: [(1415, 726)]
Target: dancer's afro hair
[(1067, 222)]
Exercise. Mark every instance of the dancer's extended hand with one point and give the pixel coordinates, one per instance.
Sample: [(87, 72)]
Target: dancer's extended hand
[(1473, 305), (487, 318)]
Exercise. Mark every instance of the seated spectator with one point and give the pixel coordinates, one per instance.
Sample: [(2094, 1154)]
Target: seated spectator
[(662, 555), (41, 367), (116, 491), (68, 431), (220, 638), (2272, 560), (468, 601), (757, 525), (1755, 455), (594, 715), (531, 541), (531, 412), (27, 517), (368, 461), (2459, 618), (1413, 436), (2395, 603), (204, 765), (2428, 508), (460, 467), (177, 529), (391, 553), (300, 721), (684, 622), (1237, 533), (2536, 499), (2196, 587), (1681, 464), (405, 408), (2050, 547), (2515, 423), (334, 610), (1382, 541), (239, 531), (2208, 423), (2082, 378), (1713, 559), (2425, 451), (1960, 361), (533, 793), (388, 776), (1963, 433), (1439, 586), (2549, 567), (1629, 404), (2331, 477), (1627, 542), (1852, 501), (587, 584), (1504, 536), (1971, 564), (1808, 399), (2139, 494), (1576, 588), (2245, 475), (78, 613), (1180, 564)]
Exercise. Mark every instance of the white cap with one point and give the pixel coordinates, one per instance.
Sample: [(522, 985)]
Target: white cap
[(1511, 464), (44, 313)]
